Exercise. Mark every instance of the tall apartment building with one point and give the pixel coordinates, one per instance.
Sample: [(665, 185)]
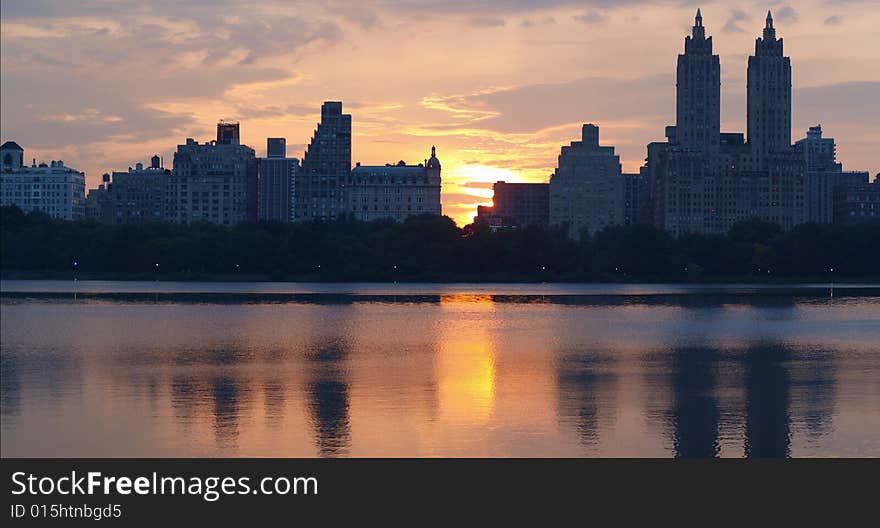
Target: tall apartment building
[(697, 187), (214, 181), (636, 198), (824, 174), (857, 202), (394, 191), (587, 190), (698, 94), (517, 205), (54, 188), (326, 167), (277, 182), (768, 99), (138, 194)]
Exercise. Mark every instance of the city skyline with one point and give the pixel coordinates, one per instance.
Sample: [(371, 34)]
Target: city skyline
[(503, 120)]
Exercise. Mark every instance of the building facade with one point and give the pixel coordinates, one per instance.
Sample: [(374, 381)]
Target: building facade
[(768, 99), (137, 195), (587, 190), (698, 92), (517, 205), (326, 166), (213, 182), (277, 182), (857, 202), (53, 189), (705, 188), (636, 198), (394, 191), (823, 174)]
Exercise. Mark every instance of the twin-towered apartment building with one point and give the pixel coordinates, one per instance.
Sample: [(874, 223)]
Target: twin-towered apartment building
[(702, 180)]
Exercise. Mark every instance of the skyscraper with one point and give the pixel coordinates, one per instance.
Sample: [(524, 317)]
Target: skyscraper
[(769, 98), (698, 95), (277, 180), (320, 189), (586, 191)]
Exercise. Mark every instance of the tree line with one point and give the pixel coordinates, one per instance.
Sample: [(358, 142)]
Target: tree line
[(429, 248)]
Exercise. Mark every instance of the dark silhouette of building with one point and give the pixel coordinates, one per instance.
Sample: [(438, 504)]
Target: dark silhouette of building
[(213, 182), (320, 191), (138, 194), (276, 147), (857, 202), (636, 198), (12, 156), (769, 98), (517, 205), (703, 181), (228, 133), (824, 174), (277, 182), (586, 190), (698, 94), (395, 191)]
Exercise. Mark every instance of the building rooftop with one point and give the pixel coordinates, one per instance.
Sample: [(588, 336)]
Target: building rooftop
[(11, 145)]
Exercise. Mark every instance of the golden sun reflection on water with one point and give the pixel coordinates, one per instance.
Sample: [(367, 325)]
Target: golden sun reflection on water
[(465, 362)]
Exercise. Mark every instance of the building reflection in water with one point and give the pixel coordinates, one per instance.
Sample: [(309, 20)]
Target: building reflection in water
[(10, 384), (767, 384), (273, 401), (227, 407), (586, 384), (813, 392), (183, 398), (328, 398), (695, 412)]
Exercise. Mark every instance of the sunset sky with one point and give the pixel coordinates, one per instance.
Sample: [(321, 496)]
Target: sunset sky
[(497, 86)]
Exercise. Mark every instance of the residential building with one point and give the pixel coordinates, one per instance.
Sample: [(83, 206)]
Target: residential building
[(517, 205), (214, 181), (587, 190), (395, 191), (326, 166), (138, 194), (54, 188), (277, 182), (857, 202)]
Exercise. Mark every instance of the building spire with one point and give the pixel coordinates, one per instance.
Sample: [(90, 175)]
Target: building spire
[(433, 151), (769, 20), (698, 20)]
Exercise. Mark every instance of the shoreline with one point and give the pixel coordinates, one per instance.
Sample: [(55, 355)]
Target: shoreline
[(500, 278)]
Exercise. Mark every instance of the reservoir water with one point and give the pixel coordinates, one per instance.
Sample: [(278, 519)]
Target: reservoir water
[(155, 369)]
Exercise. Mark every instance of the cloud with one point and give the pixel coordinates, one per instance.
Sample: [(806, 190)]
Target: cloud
[(532, 108), (786, 14), (733, 21), (833, 20), (486, 21), (590, 17)]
